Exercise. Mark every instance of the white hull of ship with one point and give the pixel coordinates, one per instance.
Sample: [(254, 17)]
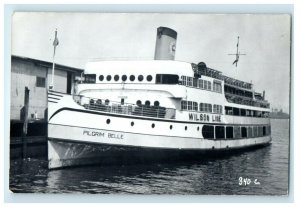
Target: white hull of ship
[(76, 145), (77, 136)]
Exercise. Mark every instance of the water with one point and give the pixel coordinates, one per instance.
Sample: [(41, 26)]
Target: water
[(264, 171)]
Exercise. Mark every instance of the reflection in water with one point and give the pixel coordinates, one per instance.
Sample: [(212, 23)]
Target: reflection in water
[(269, 165)]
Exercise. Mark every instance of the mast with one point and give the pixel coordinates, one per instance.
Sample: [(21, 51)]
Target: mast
[(238, 53), (55, 44)]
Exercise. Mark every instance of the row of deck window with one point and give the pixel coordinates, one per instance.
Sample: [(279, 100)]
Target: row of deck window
[(124, 78), (215, 108), (245, 112), (203, 107), (227, 132), (235, 132), (161, 79), (202, 84)]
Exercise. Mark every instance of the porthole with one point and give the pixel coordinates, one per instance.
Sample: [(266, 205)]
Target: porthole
[(153, 125), (101, 78), (124, 77), (147, 103), (132, 123), (140, 77), (171, 127), (132, 78), (185, 128), (108, 78), (138, 102), (156, 103), (198, 128), (99, 101), (116, 78), (108, 121), (149, 78)]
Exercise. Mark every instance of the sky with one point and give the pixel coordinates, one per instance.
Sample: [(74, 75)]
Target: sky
[(209, 38)]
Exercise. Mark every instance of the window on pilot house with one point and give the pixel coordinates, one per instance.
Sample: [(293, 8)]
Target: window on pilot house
[(167, 79), (90, 78)]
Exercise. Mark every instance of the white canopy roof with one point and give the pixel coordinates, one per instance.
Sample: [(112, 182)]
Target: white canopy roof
[(139, 67)]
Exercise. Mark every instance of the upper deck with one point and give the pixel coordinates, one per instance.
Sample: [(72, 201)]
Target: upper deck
[(173, 72), (151, 67)]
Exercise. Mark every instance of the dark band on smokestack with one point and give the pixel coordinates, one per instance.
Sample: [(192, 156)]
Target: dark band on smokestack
[(165, 44)]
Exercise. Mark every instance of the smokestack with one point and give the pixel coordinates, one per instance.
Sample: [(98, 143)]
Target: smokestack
[(165, 44), (264, 93)]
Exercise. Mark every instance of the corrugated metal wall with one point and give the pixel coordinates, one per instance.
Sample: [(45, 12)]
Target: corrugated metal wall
[(24, 74)]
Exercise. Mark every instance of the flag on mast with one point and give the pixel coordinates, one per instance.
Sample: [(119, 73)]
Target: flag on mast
[(55, 42)]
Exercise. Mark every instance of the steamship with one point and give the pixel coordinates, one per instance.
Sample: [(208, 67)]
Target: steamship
[(127, 110)]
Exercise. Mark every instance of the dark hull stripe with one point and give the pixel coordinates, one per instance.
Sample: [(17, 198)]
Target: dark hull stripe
[(49, 97), (158, 148), (154, 135), (55, 94), (159, 135), (52, 101)]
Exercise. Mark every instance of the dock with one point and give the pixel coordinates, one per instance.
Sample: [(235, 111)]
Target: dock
[(33, 145)]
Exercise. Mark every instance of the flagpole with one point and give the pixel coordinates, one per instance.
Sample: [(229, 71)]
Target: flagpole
[(55, 43), (52, 77)]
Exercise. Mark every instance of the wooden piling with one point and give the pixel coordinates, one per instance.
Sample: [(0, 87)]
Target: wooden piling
[(25, 124)]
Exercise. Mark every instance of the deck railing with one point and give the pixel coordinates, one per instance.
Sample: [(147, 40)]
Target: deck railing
[(233, 98), (128, 109)]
